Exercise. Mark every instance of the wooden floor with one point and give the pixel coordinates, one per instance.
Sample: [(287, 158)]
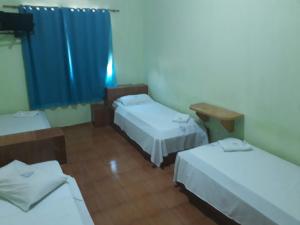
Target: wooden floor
[(119, 186)]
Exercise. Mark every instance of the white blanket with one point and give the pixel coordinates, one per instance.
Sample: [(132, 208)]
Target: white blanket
[(64, 206), (150, 125), (13, 124), (252, 187)]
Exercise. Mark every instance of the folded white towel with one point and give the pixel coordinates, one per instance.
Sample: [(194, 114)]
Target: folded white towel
[(26, 114), (234, 145), (181, 118)]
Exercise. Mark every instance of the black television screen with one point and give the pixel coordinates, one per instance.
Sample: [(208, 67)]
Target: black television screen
[(16, 22)]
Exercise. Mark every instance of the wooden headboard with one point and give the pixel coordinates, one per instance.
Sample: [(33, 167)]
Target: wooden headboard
[(33, 146), (113, 94)]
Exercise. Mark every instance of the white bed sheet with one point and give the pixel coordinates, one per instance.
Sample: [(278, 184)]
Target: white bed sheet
[(150, 125), (64, 206), (253, 187), (10, 124)]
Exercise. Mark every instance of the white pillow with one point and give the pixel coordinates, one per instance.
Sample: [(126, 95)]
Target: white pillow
[(134, 99), (24, 185)]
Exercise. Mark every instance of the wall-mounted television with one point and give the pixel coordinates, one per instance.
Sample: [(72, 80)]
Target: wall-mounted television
[(17, 22)]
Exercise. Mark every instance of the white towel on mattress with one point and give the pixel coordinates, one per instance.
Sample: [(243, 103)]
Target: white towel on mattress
[(181, 118), (234, 145), (26, 114)]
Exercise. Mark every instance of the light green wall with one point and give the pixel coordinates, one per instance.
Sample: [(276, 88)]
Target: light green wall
[(239, 54), (128, 51)]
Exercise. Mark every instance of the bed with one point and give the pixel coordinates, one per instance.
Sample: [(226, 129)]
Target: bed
[(251, 187), (64, 206), (151, 126), (27, 136), (14, 123)]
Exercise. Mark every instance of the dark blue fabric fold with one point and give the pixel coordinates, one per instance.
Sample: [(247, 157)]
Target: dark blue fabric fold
[(67, 56)]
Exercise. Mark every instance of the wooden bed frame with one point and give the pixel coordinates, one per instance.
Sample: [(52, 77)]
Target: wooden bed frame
[(33, 147), (206, 208), (113, 94)]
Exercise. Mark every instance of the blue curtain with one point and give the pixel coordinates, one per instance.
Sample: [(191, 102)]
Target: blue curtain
[(67, 58)]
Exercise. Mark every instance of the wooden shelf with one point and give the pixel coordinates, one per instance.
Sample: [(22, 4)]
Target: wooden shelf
[(225, 116)]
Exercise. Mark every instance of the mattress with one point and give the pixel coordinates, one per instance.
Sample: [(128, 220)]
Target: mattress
[(64, 206), (150, 125), (252, 187), (10, 124)]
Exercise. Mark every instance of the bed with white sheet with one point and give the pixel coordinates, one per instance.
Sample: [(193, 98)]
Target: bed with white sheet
[(64, 206), (250, 187), (23, 122), (28, 136), (155, 129)]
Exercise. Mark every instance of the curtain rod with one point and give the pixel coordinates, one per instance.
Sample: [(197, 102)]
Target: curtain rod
[(17, 6)]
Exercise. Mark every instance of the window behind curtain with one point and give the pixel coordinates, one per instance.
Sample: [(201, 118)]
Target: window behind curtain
[(68, 58)]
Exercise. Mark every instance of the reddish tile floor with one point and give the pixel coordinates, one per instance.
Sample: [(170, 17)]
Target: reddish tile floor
[(119, 186)]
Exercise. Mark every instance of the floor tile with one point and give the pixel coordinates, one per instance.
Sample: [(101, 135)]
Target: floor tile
[(189, 214), (150, 205), (124, 214), (101, 218), (165, 218), (137, 190), (111, 199), (172, 197)]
